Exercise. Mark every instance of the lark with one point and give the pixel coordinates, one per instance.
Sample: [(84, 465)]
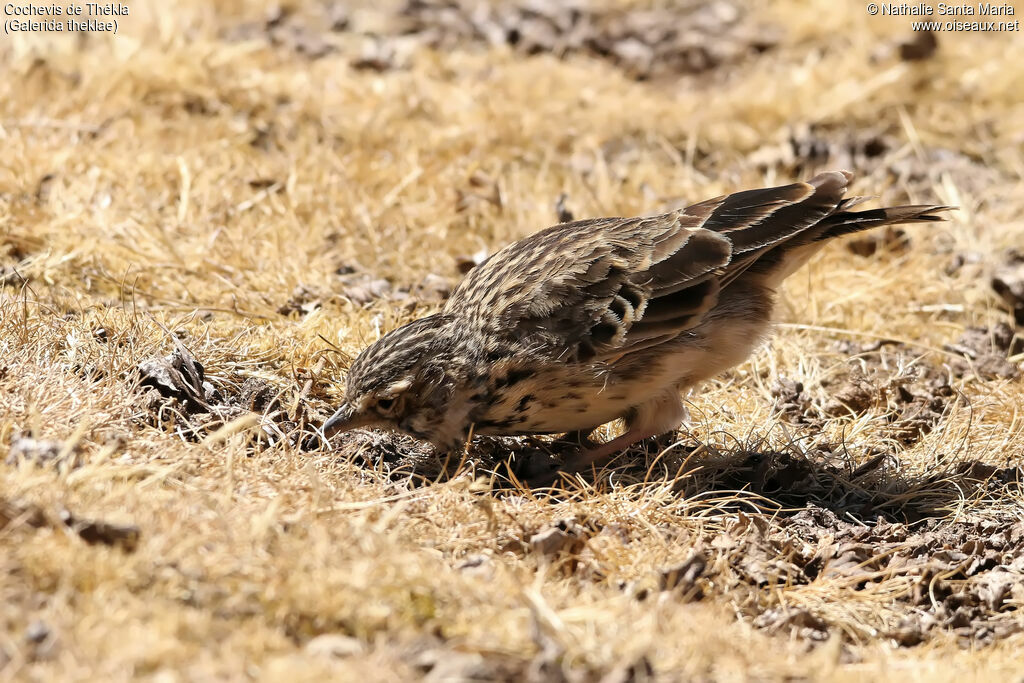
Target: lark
[(588, 322)]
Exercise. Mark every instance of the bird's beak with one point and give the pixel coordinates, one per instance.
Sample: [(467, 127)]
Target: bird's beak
[(344, 420)]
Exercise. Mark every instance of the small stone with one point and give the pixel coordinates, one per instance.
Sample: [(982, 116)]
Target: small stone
[(38, 451), (37, 632), (562, 537), (335, 645)]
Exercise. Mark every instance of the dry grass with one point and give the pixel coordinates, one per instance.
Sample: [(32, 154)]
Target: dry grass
[(173, 179)]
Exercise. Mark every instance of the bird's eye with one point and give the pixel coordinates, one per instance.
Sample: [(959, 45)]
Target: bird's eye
[(385, 403)]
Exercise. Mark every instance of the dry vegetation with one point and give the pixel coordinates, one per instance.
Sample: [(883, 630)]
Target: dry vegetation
[(265, 189)]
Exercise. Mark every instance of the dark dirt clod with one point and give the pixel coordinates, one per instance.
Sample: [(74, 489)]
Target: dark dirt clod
[(799, 622), (921, 46), (283, 27), (178, 376), (10, 277), (482, 190), (1008, 283), (304, 300), (257, 395), (465, 263), (562, 211), (124, 536), (684, 576), (889, 240), (910, 632), (853, 392), (433, 288), (963, 258), (985, 351), (93, 532), (791, 401), (379, 54)]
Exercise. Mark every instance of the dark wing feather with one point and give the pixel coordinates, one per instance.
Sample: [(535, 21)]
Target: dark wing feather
[(595, 290), (586, 286), (778, 231)]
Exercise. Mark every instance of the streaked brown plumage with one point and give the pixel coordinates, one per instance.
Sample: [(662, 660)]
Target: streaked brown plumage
[(586, 322)]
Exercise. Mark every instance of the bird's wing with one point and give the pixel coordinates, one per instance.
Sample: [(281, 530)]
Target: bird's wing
[(595, 290)]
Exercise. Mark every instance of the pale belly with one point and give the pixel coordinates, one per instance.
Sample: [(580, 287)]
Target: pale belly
[(567, 398)]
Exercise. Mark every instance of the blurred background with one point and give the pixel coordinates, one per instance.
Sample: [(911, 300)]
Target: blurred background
[(275, 184)]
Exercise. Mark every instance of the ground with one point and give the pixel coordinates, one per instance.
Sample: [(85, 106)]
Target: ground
[(206, 215)]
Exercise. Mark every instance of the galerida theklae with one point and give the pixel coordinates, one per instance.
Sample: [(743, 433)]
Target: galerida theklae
[(587, 322)]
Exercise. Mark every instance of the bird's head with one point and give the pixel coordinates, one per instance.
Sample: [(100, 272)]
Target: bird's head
[(407, 380)]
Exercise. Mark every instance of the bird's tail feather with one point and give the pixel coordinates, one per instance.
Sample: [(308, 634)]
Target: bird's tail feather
[(775, 265), (848, 222)]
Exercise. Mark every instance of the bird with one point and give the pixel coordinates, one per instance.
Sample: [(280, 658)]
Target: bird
[(587, 322)]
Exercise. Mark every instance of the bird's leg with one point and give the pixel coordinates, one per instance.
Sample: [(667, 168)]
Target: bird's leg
[(588, 457), (599, 455), (581, 437), (660, 415)]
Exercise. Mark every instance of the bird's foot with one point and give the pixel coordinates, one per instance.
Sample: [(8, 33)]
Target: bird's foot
[(545, 472)]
